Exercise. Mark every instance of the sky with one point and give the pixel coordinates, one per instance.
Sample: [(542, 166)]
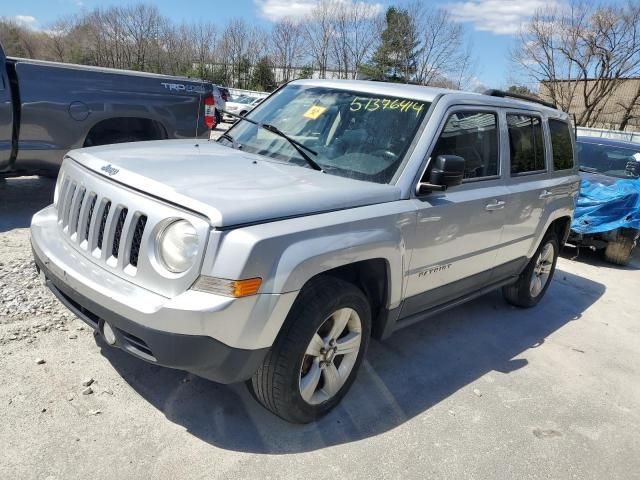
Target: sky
[(491, 25)]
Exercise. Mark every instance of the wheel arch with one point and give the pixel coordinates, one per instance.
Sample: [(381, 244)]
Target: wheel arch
[(372, 276), (139, 128)]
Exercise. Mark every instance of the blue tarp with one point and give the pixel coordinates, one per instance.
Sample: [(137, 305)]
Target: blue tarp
[(602, 208)]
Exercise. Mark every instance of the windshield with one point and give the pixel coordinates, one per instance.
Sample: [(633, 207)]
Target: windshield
[(613, 161), (354, 135)]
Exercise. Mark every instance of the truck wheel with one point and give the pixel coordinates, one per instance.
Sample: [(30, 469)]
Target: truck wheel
[(314, 359), (618, 251), (536, 277)]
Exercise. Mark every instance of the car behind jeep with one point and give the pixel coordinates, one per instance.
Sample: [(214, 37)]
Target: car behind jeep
[(333, 212), (607, 216)]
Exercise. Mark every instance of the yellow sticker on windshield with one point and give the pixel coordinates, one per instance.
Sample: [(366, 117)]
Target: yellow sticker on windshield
[(314, 112)]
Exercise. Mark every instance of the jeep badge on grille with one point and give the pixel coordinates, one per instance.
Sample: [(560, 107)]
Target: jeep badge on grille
[(109, 170)]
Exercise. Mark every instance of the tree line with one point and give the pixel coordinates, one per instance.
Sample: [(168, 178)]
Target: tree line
[(336, 39), (575, 54)]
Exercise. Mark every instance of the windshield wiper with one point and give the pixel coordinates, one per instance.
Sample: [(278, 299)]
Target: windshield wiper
[(300, 147)]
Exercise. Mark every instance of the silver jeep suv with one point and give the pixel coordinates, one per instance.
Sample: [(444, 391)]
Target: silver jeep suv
[(336, 211)]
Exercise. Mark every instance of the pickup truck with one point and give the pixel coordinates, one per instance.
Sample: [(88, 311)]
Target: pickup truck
[(333, 212), (48, 108)]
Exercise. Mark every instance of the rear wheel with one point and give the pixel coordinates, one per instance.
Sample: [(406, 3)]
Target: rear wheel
[(316, 356), (536, 277), (618, 251)]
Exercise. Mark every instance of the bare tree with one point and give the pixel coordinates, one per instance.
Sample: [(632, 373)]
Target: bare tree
[(287, 46), (630, 109), (318, 33), (443, 52), (354, 29), (581, 53), (203, 38)]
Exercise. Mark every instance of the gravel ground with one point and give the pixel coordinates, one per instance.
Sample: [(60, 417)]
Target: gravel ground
[(486, 391)]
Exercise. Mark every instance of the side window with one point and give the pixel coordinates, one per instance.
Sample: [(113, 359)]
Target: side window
[(525, 143), (474, 137), (561, 145)]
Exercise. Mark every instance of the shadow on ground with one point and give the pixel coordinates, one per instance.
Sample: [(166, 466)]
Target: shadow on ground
[(20, 198), (596, 258), (402, 377)]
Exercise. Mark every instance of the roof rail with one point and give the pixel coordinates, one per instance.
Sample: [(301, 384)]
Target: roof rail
[(519, 96)]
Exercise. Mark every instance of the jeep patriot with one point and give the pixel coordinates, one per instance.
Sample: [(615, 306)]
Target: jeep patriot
[(334, 212)]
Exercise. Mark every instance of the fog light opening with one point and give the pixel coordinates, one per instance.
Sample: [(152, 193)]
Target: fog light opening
[(108, 333)]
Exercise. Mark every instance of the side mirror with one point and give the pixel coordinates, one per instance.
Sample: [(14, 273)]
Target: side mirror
[(447, 171)]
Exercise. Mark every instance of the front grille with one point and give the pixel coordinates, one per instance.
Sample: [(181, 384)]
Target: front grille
[(110, 232)]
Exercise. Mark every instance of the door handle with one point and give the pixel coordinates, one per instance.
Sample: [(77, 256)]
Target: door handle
[(545, 194), (496, 205)]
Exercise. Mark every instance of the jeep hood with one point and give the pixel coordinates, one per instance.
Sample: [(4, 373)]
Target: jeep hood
[(228, 186)]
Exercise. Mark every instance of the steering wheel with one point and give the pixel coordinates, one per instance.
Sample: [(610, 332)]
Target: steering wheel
[(388, 154)]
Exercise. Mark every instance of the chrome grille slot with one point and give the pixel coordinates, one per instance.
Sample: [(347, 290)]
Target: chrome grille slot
[(118, 232), (103, 224), (74, 213), (66, 204), (87, 225), (137, 240), (61, 199)]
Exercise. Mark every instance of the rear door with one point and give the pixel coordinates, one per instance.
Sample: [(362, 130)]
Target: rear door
[(529, 185), (6, 114), (458, 231)]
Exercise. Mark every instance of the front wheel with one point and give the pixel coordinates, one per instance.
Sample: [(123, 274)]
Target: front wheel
[(316, 356), (536, 277)]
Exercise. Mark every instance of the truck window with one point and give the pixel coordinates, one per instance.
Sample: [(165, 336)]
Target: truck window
[(525, 144), (474, 137), (561, 145)]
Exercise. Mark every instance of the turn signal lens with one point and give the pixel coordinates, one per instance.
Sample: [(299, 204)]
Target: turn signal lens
[(228, 288)]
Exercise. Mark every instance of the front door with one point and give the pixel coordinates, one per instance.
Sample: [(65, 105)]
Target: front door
[(458, 232)]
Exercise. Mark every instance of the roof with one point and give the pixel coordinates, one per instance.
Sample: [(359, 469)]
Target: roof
[(427, 94), (417, 92)]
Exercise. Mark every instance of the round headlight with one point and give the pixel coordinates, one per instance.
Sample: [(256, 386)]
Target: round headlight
[(177, 246)]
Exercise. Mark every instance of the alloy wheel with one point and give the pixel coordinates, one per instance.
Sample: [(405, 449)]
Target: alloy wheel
[(330, 356)]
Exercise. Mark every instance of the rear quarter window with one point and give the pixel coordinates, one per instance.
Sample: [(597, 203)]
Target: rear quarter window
[(561, 145)]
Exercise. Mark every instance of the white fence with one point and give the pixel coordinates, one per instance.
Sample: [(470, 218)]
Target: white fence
[(612, 134), (236, 92)]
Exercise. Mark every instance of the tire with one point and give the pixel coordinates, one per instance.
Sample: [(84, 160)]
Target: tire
[(289, 369), (618, 251), (523, 293)]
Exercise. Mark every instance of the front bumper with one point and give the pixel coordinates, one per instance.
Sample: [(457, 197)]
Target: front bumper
[(220, 338), (198, 354)]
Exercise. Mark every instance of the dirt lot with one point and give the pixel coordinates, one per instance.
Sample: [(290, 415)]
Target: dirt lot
[(485, 391)]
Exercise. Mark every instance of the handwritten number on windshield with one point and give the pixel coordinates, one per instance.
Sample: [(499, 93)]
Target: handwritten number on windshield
[(373, 104)]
